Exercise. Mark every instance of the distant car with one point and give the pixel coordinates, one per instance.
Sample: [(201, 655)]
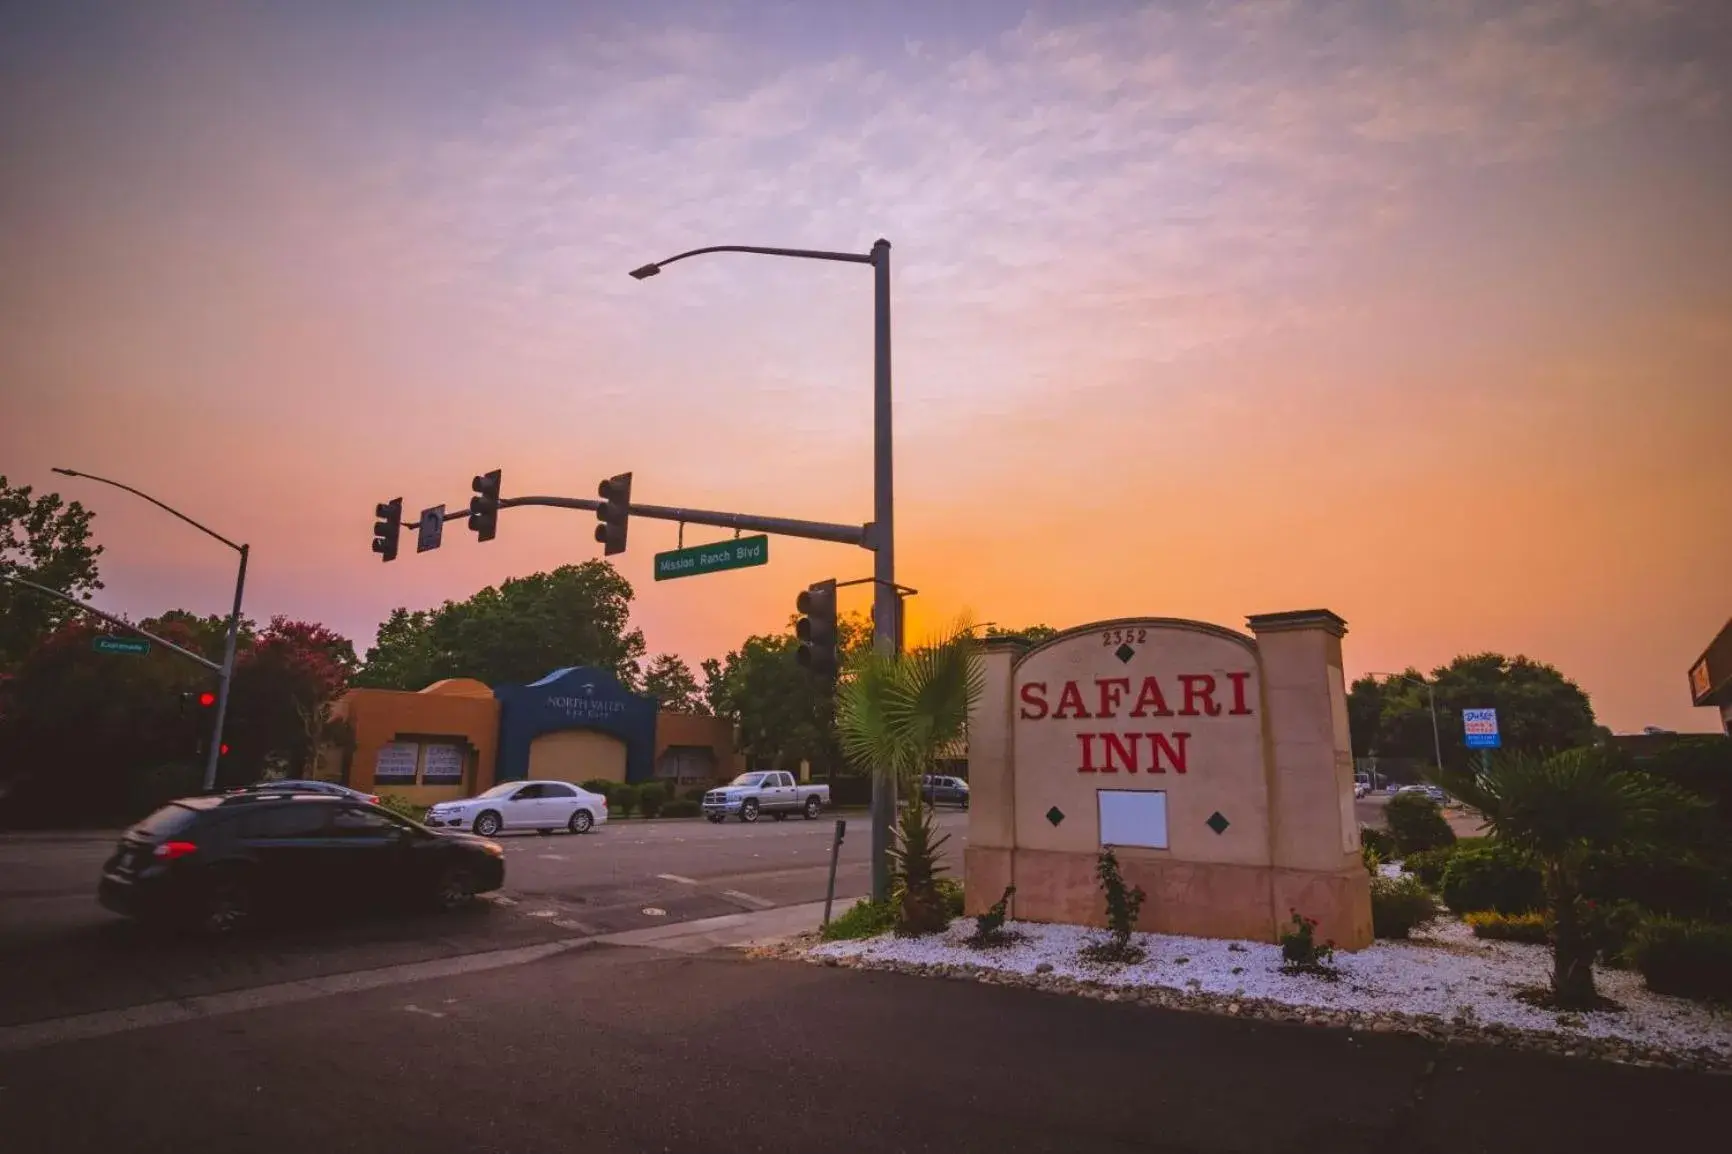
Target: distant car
[(1360, 789), (510, 805), (1431, 791), (942, 790), (774, 792), (304, 785), (215, 863)]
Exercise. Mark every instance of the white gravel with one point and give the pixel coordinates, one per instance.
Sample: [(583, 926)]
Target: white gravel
[(1444, 972)]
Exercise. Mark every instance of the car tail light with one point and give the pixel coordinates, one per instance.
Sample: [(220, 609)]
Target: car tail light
[(373, 799), (170, 850)]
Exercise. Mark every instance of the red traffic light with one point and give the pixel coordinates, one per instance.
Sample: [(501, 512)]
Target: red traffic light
[(223, 749), (207, 699)]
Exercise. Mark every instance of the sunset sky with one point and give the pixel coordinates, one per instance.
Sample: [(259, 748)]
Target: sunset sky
[(1417, 310)]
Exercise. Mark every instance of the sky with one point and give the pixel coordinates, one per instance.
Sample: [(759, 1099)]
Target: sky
[(1415, 310)]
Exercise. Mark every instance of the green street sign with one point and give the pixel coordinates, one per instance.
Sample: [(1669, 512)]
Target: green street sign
[(740, 553), (134, 645)]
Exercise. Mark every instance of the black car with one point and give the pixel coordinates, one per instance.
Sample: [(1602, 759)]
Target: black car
[(213, 863), (304, 785)]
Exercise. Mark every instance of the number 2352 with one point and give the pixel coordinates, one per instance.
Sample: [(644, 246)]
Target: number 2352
[(1123, 636)]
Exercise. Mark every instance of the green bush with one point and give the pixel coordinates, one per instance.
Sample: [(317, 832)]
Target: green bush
[(1399, 906), (623, 800), (651, 796), (602, 786), (1491, 877), (696, 793), (402, 807), (1611, 928), (1428, 864), (865, 919), (1535, 927), (1690, 959), (950, 891), (1378, 842), (1416, 823), (682, 808)]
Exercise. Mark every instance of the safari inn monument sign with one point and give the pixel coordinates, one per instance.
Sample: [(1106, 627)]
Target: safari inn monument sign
[(1216, 765)]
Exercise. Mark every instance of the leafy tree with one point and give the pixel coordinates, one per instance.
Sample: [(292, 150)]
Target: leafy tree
[(286, 682), (47, 541), (1539, 710), (516, 633), (784, 714), (1564, 811), (896, 714), (671, 682), (1034, 633)]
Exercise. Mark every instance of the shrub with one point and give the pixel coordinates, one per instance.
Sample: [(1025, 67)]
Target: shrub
[(1370, 858), (1535, 927), (1416, 823), (696, 793), (682, 808), (1611, 928), (1492, 877), (989, 927), (623, 800), (1400, 905), (602, 786), (1428, 864), (1378, 842), (1300, 953), (1122, 907), (951, 893), (402, 807), (1690, 959), (865, 919), (651, 796)]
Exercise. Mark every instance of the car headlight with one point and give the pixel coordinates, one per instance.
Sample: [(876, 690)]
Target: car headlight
[(493, 848)]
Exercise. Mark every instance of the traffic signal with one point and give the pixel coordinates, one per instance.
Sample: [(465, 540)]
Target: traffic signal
[(484, 506), (206, 699), (615, 494), (386, 528), (816, 628)]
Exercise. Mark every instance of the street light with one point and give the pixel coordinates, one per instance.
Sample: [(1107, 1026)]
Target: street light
[(1431, 698), (886, 628), (225, 674)]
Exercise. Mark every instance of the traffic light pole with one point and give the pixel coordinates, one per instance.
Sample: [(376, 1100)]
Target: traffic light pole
[(225, 671), (886, 602)]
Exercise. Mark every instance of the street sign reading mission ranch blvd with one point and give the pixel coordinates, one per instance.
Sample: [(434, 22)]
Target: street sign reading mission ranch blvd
[(740, 553)]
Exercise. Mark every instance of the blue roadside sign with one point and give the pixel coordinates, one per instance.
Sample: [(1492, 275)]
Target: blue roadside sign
[(1481, 729)]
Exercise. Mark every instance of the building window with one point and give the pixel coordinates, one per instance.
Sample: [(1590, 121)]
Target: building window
[(397, 763), (442, 764), (422, 762)]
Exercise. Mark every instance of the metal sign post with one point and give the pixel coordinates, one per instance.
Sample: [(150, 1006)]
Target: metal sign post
[(835, 852)]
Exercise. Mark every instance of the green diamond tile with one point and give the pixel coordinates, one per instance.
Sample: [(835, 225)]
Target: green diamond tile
[(1124, 653), (1055, 815), (1217, 823)]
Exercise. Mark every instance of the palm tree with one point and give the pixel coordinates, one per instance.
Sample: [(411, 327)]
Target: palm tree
[(895, 715), (1563, 811)]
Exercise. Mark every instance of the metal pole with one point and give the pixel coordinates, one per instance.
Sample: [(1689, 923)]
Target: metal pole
[(226, 677), (835, 852), (1436, 741), (886, 627)]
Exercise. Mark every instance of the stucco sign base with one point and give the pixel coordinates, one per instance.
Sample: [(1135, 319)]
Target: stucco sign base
[(1242, 737)]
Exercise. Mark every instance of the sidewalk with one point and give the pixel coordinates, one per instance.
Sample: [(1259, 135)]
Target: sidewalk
[(729, 930)]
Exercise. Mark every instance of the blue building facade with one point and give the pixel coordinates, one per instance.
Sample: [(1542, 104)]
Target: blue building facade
[(581, 697)]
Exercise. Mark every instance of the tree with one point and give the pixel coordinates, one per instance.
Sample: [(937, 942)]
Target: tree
[(517, 633), (785, 715), (1565, 811), (286, 682), (1033, 633), (46, 541), (1539, 710), (670, 681), (896, 714)]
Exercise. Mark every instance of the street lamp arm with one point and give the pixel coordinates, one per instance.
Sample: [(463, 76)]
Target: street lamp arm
[(650, 270), (205, 529)]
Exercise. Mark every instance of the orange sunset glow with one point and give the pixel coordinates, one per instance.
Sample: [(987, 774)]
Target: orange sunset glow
[(1420, 312)]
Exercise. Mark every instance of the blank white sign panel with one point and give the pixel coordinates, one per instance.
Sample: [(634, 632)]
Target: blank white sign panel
[(1133, 817)]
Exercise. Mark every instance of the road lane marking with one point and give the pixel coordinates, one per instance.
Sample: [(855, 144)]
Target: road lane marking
[(677, 878), (414, 1009), (752, 900)]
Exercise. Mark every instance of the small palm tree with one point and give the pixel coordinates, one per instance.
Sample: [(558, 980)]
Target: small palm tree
[(1563, 811), (894, 716)]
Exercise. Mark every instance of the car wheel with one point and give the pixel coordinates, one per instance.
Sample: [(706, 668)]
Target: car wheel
[(487, 824), (456, 887), (580, 822), (813, 805), (226, 906), (749, 811)]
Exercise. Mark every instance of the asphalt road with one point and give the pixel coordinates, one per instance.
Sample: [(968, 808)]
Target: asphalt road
[(62, 954), (610, 1049)]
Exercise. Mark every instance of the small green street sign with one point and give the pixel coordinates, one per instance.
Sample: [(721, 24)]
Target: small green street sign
[(134, 645), (740, 553)]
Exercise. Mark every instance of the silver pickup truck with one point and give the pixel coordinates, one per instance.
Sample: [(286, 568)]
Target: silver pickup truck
[(766, 791)]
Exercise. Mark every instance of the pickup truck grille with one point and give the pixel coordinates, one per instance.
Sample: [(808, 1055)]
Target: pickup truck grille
[(715, 797)]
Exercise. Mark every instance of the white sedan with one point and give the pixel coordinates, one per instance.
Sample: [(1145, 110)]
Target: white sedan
[(538, 805)]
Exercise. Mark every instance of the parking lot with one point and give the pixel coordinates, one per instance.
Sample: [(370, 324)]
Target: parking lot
[(62, 954)]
